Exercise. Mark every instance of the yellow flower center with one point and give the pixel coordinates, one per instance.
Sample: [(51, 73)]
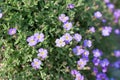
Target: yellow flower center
[(67, 37), (36, 63), (81, 62), (31, 41), (67, 25), (39, 36), (60, 41), (42, 52)]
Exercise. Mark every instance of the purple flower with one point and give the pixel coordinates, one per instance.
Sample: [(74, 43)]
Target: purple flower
[(42, 53), (95, 70), (98, 14), (67, 37), (104, 63), (102, 76), (36, 63), (63, 18), (117, 31), (104, 69), (1, 15), (87, 43), (92, 29), (106, 1), (86, 53), (71, 6), (39, 37), (81, 63), (31, 41), (97, 53), (117, 14), (74, 72), (60, 42), (110, 6), (104, 20), (79, 77), (12, 31), (117, 64), (106, 30), (117, 53), (78, 50), (67, 26), (96, 61), (77, 37)]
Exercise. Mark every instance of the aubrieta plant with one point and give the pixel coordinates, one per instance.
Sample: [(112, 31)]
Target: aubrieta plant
[(58, 39)]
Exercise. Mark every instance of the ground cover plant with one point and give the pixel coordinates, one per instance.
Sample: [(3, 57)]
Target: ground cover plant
[(58, 39)]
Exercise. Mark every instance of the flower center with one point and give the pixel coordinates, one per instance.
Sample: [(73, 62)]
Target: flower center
[(32, 41), (42, 52), (36, 63)]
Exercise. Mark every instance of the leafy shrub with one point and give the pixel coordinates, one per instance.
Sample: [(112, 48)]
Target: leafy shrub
[(65, 29)]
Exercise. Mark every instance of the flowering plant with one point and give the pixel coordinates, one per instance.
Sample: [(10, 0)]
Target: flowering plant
[(57, 39)]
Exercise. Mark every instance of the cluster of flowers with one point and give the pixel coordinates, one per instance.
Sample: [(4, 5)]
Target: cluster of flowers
[(34, 39), (66, 38), (98, 63), (116, 64), (115, 12), (42, 54), (106, 30), (103, 64), (82, 62), (77, 75)]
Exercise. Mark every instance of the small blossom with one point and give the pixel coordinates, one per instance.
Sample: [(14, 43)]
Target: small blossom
[(102, 76), (71, 6), (31, 41), (67, 26), (104, 69), (81, 63), (42, 53), (117, 14), (74, 72), (36, 63), (92, 29), (117, 31), (77, 37), (116, 64), (96, 61), (98, 14), (87, 43), (85, 53), (67, 37), (117, 53), (95, 70), (110, 6), (78, 50), (79, 77), (63, 18), (104, 20), (106, 1), (12, 31), (60, 42), (104, 63), (39, 37), (106, 30), (1, 15), (97, 53)]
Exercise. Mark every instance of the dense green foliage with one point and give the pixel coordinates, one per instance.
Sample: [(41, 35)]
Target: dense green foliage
[(31, 16)]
